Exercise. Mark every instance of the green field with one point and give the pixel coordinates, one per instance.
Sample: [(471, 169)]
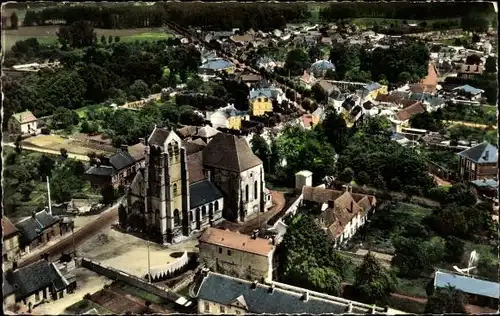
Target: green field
[(84, 305)]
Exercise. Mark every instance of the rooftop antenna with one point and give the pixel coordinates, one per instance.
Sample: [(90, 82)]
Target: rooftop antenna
[(473, 258)]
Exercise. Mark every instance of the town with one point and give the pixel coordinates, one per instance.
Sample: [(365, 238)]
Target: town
[(250, 158)]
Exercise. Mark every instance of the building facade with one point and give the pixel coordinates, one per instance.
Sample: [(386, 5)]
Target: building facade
[(479, 162), (23, 123), (10, 247)]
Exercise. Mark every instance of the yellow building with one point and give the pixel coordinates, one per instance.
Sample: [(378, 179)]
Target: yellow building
[(374, 89), (261, 101), (228, 117)]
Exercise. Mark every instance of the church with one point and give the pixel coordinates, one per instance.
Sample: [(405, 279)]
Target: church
[(187, 186)]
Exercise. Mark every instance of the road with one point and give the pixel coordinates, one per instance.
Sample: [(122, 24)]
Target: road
[(471, 124), (109, 217), (49, 151)]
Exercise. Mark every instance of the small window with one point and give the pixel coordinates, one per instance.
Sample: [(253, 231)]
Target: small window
[(37, 297), (220, 250), (266, 100), (175, 189), (259, 99), (228, 252), (207, 307), (237, 312), (222, 309)]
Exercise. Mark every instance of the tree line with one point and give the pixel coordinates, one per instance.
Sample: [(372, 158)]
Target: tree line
[(404, 10), (261, 16)]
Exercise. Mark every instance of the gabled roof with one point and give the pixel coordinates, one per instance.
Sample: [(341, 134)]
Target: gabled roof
[(262, 92), (229, 152), (372, 86), (349, 103), (368, 105), (37, 276), (481, 153), (31, 227), (321, 65), (207, 131), (9, 229), (203, 192), (193, 146), (225, 290), (410, 111), (325, 86), (485, 183), (469, 89), (195, 167), (217, 64), (121, 160), (24, 117), (158, 136), (237, 241), (101, 171), (355, 111), (467, 284)]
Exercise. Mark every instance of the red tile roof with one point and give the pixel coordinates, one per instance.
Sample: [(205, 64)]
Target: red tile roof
[(8, 228), (409, 112), (237, 241)]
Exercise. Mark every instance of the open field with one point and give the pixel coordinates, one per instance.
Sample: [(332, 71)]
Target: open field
[(55, 142), (129, 253), (48, 34)]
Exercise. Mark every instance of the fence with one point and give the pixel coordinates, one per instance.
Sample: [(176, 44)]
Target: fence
[(134, 281), (162, 271)]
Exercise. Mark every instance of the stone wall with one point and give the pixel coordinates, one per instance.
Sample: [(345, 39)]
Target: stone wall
[(179, 263)]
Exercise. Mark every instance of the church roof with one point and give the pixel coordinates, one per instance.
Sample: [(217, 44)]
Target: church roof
[(230, 153), (158, 136)]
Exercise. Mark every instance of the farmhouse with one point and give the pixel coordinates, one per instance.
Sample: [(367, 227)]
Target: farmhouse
[(236, 254), (23, 123), (479, 162)]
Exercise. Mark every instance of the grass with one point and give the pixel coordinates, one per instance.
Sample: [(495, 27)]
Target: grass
[(412, 287), (85, 305), (406, 305)]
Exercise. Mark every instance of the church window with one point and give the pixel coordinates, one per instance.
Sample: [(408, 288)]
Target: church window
[(246, 193), (216, 205), (174, 189), (255, 190), (204, 211), (177, 219)]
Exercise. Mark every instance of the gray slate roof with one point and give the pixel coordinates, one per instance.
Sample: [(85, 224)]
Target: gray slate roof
[(229, 152), (31, 227), (35, 277), (478, 153), (226, 290), (7, 286), (203, 192), (467, 284), (158, 136), (103, 171), (121, 160)]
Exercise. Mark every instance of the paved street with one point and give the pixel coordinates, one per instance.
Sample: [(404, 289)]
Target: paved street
[(108, 217)]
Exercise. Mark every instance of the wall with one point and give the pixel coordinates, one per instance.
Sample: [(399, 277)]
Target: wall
[(160, 271), (214, 308), (238, 264), (12, 247), (130, 279)]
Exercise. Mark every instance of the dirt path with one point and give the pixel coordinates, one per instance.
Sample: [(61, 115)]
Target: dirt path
[(109, 217), (440, 182), (471, 124)]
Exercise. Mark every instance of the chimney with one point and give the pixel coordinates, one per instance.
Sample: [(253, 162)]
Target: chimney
[(255, 233), (305, 296), (14, 265), (142, 141), (204, 272), (270, 290), (330, 203), (124, 148), (352, 206), (254, 284)]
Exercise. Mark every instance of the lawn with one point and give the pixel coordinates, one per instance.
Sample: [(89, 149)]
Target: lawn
[(83, 111), (141, 293), (48, 34)]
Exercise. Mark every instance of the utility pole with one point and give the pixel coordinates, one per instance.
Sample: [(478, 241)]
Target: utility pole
[(48, 193)]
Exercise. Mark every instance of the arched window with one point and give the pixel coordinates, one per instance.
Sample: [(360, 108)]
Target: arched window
[(246, 193), (191, 216), (216, 205), (177, 218), (174, 189), (255, 189), (204, 211)]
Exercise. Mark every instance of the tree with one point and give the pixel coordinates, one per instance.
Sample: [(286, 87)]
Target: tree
[(189, 117), (426, 121), (404, 77), (64, 118), (314, 53), (79, 34), (261, 150), (90, 128), (45, 166), (296, 61), (110, 39), (410, 257), (335, 129), (26, 188), (454, 249), (473, 59), (18, 144), (139, 89), (450, 221), (103, 40), (14, 21), (108, 194), (347, 175), (373, 282), (475, 23), (446, 300), (491, 65), (64, 153)]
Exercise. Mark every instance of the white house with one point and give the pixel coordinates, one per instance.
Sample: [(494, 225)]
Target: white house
[(23, 123)]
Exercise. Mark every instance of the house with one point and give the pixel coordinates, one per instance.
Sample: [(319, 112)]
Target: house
[(38, 229), (326, 87), (204, 184), (370, 108), (22, 123), (348, 104), (237, 255), (307, 79), (10, 247), (478, 291), (192, 133), (373, 89), (422, 88), (214, 66), (479, 162), (402, 118), (431, 102), (227, 117), (34, 284), (469, 71), (118, 170), (342, 212), (261, 100), (396, 97), (356, 113), (249, 79), (222, 294), (320, 67), (471, 93)]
